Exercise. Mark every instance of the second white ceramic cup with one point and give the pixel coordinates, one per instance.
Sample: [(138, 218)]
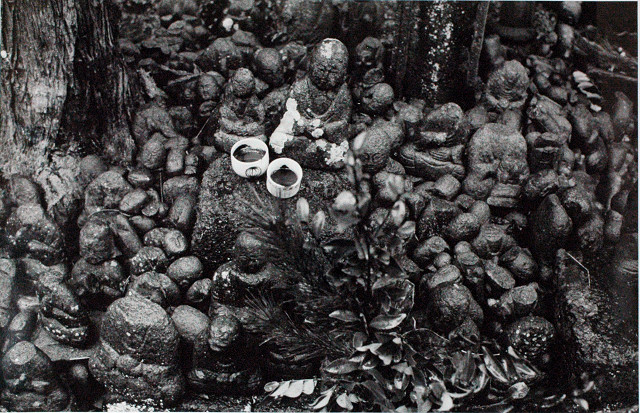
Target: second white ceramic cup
[(282, 191)]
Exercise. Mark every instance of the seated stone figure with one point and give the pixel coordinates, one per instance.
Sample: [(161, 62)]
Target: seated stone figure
[(31, 382), (497, 162), (241, 114), (438, 146), (61, 314), (372, 96), (222, 360), (270, 85), (314, 129)]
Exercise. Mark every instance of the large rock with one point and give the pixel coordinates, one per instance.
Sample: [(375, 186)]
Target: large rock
[(137, 359), (595, 341), (218, 222)]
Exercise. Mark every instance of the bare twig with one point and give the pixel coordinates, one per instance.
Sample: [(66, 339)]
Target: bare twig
[(583, 267)]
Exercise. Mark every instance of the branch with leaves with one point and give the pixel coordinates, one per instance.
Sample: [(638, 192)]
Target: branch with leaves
[(350, 310)]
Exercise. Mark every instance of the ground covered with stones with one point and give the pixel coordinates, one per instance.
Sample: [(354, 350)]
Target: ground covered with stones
[(134, 291)]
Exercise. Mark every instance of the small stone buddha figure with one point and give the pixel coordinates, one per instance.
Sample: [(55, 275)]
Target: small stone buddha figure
[(269, 70), (373, 97), (270, 85), (368, 65), (438, 146), (506, 92), (497, 165), (241, 114), (314, 129)]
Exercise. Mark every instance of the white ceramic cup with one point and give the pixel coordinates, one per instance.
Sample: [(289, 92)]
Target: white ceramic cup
[(275, 188), (250, 169)]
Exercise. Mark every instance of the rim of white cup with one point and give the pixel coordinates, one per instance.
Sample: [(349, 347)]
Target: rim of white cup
[(249, 141), (277, 163)]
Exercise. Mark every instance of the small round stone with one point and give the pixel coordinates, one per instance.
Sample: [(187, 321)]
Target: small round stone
[(189, 322), (174, 242), (185, 271), (134, 201)]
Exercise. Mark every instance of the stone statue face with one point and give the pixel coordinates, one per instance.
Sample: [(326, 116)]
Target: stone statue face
[(329, 64), (269, 66), (369, 52), (243, 83)]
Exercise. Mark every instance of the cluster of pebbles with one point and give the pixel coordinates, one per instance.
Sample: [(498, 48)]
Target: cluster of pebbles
[(496, 190)]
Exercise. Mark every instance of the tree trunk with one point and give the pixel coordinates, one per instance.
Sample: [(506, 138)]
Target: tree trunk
[(433, 51), (39, 39), (65, 91), (101, 97)]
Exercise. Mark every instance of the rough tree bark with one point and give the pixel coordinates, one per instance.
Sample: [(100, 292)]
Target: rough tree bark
[(432, 54), (65, 90)]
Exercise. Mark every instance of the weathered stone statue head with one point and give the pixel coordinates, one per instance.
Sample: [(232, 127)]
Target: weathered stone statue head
[(328, 68), (507, 86), (369, 53), (269, 66), (243, 83)]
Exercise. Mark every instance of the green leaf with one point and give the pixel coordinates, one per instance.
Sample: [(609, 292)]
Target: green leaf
[(378, 394), (524, 370), (282, 389), (372, 363), (398, 292), (317, 224), (345, 220), (341, 366), (358, 339), (344, 402), (295, 389), (309, 386), (302, 210), (494, 369), (401, 381), (358, 357), (271, 386), (339, 247), (518, 391), (385, 354), (344, 315), (481, 380), (446, 402), (582, 403), (387, 322), (369, 347), (509, 369), (468, 369), (322, 401)]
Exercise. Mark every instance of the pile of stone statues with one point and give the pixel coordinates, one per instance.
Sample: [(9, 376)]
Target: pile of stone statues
[(159, 303)]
